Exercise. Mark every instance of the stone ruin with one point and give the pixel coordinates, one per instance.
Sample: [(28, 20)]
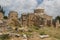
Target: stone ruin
[(38, 18)]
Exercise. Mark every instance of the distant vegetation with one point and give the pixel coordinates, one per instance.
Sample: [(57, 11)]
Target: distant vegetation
[(57, 18), (5, 17), (2, 10)]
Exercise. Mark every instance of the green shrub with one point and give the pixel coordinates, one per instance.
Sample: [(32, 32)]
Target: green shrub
[(4, 37), (42, 33)]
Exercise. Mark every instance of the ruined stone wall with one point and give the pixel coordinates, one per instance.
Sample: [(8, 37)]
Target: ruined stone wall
[(48, 20), (13, 15), (31, 19), (37, 18), (27, 19), (39, 11), (1, 16), (24, 20)]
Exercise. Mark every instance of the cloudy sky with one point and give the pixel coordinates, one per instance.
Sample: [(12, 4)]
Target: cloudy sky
[(52, 7)]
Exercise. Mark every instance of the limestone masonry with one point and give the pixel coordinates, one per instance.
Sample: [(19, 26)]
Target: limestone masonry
[(38, 18)]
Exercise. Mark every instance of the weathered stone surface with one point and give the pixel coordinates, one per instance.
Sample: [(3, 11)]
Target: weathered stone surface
[(37, 18), (1, 16)]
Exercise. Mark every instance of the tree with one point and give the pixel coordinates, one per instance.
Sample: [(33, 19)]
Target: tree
[(5, 17), (1, 9), (57, 18)]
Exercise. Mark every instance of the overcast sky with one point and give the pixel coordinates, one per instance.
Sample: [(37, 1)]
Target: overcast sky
[(52, 7)]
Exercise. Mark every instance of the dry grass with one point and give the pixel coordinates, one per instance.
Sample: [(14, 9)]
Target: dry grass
[(53, 32)]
